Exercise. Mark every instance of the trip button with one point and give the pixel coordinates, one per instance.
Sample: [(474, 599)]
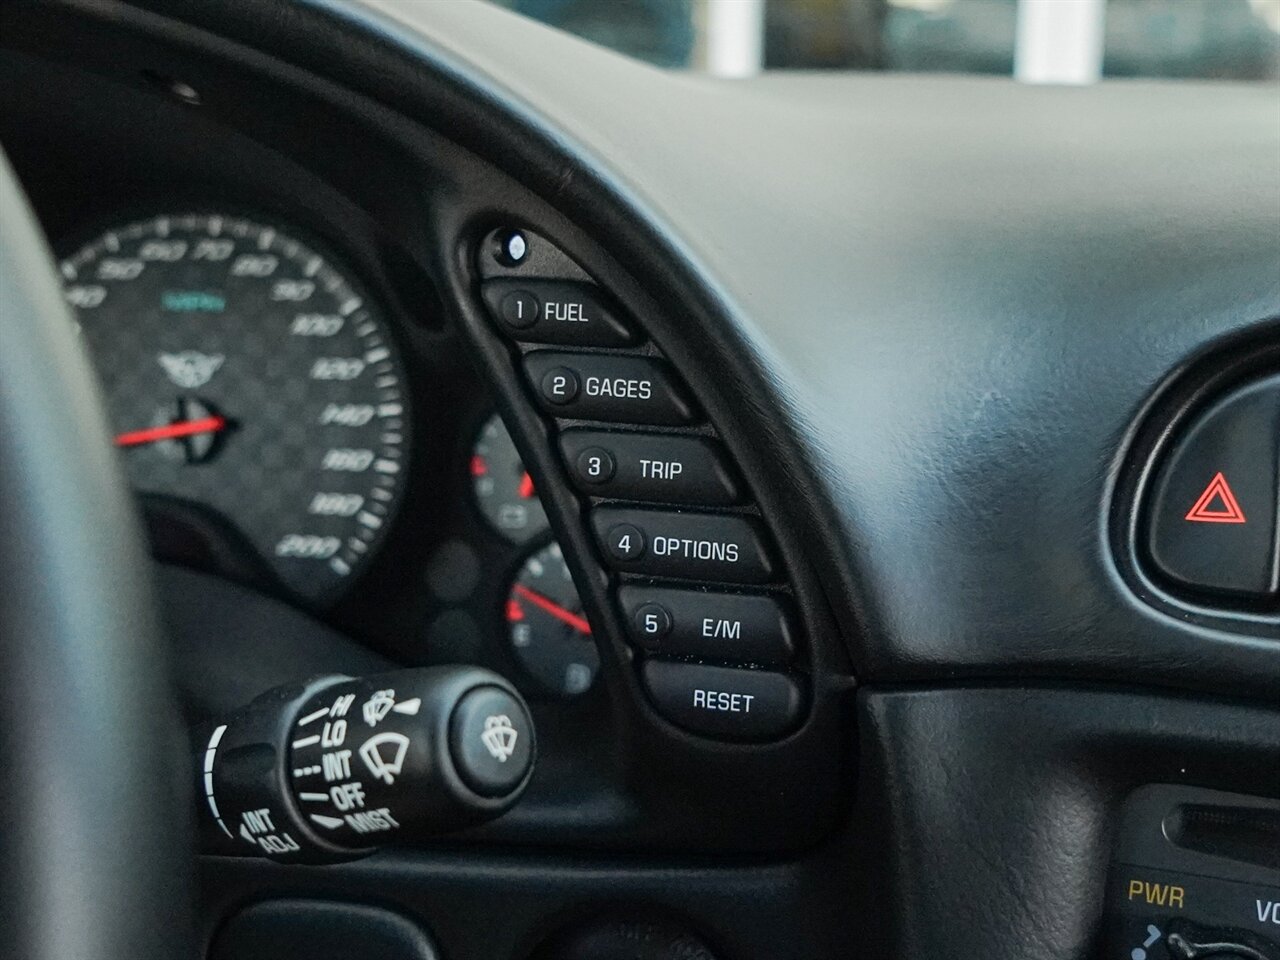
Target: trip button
[(694, 546), (1213, 512), (723, 702), (616, 389), (556, 311), (649, 466), (717, 626)]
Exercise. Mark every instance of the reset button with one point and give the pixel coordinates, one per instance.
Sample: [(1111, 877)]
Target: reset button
[(723, 702)]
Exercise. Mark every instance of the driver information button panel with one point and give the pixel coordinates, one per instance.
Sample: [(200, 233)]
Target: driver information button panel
[(694, 577)]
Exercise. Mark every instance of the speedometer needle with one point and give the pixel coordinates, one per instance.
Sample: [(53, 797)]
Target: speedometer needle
[(171, 431), (550, 606)]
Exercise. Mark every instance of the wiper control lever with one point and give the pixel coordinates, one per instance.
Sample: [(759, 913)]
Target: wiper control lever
[(337, 767)]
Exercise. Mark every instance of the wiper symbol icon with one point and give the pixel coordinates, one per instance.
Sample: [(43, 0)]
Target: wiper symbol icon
[(499, 737), (378, 706), (384, 755)]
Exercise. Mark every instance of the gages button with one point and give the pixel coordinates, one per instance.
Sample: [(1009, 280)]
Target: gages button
[(722, 702), (618, 389)]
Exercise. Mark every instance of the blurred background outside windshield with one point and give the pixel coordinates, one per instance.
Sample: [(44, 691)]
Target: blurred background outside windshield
[(1047, 41)]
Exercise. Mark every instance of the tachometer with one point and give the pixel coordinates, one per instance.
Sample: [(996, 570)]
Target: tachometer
[(246, 372)]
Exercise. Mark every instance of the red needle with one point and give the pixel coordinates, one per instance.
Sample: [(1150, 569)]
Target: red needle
[(550, 606), (526, 486), (172, 431)]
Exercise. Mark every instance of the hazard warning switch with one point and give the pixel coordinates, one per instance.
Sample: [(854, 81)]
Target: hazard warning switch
[(1212, 514)]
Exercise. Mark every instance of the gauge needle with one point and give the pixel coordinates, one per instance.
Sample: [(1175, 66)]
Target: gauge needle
[(578, 623), (526, 486), (171, 431)]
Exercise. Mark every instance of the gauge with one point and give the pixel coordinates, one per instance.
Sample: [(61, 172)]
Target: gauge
[(246, 373), (549, 633), (504, 490)]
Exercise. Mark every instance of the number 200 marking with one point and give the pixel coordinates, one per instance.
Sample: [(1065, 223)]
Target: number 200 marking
[(303, 546)]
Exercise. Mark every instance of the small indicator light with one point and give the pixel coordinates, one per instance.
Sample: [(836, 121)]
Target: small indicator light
[(517, 247), (511, 248)]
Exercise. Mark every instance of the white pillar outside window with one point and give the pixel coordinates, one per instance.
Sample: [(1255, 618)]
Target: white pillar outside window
[(733, 32), (1060, 41)]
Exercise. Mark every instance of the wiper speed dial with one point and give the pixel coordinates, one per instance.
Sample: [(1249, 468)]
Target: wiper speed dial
[(342, 766)]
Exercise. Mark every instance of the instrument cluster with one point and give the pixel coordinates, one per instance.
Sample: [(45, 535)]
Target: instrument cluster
[(284, 426)]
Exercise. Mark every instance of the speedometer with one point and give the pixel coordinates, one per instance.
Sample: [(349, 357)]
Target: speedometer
[(245, 373)]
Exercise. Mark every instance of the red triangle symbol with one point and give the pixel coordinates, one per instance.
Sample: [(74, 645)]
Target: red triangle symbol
[(1226, 510)]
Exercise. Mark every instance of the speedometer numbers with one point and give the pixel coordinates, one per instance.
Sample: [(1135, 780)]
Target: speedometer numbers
[(246, 373)]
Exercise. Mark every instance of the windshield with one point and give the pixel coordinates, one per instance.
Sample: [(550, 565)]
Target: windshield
[(1047, 41)]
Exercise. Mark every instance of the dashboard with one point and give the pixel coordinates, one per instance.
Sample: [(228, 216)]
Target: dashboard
[(346, 374), (876, 531)]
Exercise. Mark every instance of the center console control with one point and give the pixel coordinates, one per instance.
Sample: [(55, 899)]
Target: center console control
[(696, 578), (1195, 876), (1212, 509)]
